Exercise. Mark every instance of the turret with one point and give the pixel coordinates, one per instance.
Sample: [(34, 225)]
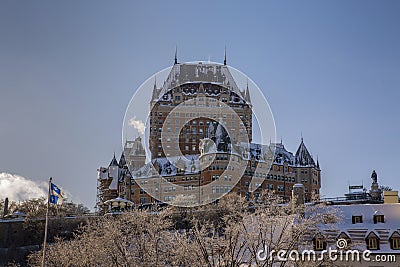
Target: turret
[(113, 162), (303, 157), (154, 96)]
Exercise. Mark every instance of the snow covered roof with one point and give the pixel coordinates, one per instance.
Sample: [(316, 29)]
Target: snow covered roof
[(281, 154), (168, 166), (113, 161), (118, 199), (358, 232), (200, 72), (122, 161), (303, 157)]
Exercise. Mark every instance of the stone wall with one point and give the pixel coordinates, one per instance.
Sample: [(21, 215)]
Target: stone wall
[(19, 237)]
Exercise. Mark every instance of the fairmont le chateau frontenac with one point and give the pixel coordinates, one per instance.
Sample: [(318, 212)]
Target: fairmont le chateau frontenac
[(135, 180)]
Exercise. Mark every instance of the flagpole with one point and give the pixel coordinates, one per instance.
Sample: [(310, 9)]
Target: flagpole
[(47, 222)]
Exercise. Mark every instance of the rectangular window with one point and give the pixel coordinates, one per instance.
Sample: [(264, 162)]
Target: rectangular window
[(357, 219), (215, 177), (395, 243), (372, 243), (379, 219), (319, 244)]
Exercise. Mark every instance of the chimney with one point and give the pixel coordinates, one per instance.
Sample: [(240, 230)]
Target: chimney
[(5, 207), (298, 198), (390, 197)]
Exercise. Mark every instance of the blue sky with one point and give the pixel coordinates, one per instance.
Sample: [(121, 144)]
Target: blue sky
[(329, 70)]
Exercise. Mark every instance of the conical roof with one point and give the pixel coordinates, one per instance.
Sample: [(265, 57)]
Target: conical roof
[(122, 160), (303, 157), (113, 161)]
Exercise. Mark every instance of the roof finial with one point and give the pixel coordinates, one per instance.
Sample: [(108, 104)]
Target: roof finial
[(176, 55), (225, 56), (301, 134)]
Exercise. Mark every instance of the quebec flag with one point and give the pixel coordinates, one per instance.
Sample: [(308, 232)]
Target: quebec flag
[(56, 196)]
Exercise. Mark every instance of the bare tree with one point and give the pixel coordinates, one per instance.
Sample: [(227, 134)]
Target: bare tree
[(231, 233)]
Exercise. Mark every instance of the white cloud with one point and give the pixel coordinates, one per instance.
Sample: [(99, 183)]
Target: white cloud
[(17, 188), (137, 124)]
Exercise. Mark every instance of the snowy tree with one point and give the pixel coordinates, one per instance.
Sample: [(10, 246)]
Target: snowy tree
[(231, 233)]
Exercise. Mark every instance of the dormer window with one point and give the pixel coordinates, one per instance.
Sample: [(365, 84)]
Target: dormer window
[(394, 241), (346, 237), (379, 218), (372, 241), (319, 243), (357, 219)]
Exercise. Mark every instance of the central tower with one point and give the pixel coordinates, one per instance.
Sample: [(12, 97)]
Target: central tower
[(209, 86)]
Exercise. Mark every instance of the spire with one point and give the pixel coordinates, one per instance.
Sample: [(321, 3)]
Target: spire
[(155, 91), (247, 93), (225, 56), (113, 161), (318, 164), (176, 55), (122, 161)]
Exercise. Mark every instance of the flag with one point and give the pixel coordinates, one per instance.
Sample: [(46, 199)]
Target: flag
[(56, 195)]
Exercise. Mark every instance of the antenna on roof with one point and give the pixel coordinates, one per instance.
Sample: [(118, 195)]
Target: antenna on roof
[(176, 55), (225, 56)]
